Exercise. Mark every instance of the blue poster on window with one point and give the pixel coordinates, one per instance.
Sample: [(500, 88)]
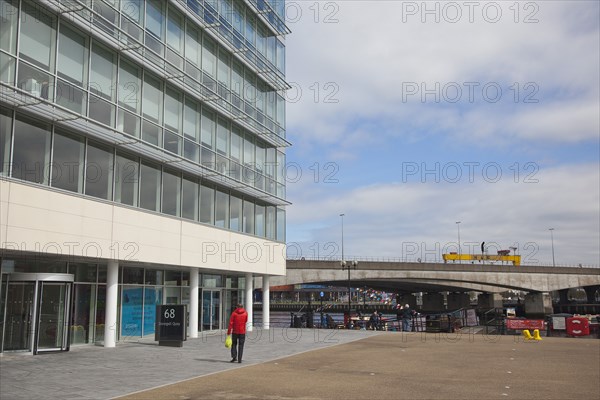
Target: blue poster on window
[(152, 298), (131, 312)]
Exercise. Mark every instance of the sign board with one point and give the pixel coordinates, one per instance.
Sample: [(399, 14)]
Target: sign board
[(559, 323), (170, 329), (517, 324)]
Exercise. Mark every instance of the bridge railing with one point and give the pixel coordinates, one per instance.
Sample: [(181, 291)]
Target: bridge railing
[(428, 260)]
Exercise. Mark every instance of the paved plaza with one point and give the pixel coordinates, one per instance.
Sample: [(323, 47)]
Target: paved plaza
[(315, 364)]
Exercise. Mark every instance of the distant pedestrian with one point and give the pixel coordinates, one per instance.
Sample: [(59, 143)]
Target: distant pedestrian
[(407, 314), (374, 320), (237, 326), (399, 315)]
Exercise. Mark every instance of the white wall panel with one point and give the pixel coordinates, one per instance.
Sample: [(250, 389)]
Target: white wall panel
[(37, 219)]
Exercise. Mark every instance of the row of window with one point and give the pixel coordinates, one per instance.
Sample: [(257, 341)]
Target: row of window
[(88, 71), (141, 105), (40, 153)]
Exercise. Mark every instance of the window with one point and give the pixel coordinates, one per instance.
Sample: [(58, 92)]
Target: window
[(222, 146), (222, 209), (72, 56), (126, 180), (102, 72), (8, 28), (149, 187), (173, 110), (224, 68), (130, 87), (151, 133), (171, 189), (175, 31), (172, 142), (270, 223), (5, 136), (248, 221), (31, 150), (280, 224), (102, 111), (191, 121), (133, 9), (153, 99), (207, 204), (67, 162), (98, 171), (37, 39), (35, 82), (208, 129), (209, 57), (235, 213), (259, 222), (71, 97), (155, 18), (189, 197), (193, 47)]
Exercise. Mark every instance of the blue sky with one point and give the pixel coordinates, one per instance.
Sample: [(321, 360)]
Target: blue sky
[(410, 116)]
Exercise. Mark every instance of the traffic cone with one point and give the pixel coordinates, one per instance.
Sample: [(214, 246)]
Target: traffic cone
[(536, 335), (527, 334)]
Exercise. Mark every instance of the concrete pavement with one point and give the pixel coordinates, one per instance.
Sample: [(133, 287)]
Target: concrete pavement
[(281, 364)]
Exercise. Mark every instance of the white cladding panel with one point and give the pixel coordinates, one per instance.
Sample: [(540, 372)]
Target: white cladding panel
[(49, 221)]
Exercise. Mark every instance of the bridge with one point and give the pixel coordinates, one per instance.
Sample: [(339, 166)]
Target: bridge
[(456, 278)]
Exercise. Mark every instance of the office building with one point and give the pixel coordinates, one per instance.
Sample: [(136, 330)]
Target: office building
[(142, 151)]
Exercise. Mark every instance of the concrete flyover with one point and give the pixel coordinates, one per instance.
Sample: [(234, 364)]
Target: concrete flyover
[(436, 277)]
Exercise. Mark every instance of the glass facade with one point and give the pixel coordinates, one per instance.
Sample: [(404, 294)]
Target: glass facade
[(172, 107)]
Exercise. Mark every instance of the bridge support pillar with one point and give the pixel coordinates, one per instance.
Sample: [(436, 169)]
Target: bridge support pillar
[(538, 304), (458, 300), (489, 300), (433, 302), (590, 292), (563, 296)]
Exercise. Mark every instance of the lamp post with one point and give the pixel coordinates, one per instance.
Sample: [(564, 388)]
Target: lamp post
[(459, 251), (552, 239), (347, 266)]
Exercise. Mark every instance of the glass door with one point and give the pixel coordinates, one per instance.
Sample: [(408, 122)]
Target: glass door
[(36, 309), (211, 309), (19, 316), (52, 332)]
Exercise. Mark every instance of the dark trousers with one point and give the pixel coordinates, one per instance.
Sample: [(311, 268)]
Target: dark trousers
[(237, 346)]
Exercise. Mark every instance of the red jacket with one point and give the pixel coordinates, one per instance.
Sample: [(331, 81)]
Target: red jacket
[(237, 322)]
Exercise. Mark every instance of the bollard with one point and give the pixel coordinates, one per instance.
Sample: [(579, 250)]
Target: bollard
[(527, 334), (536, 335)]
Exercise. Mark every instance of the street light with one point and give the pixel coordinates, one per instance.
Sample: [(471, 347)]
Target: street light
[(552, 239), (347, 266), (459, 252)]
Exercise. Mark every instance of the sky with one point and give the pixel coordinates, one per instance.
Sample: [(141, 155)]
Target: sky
[(408, 117)]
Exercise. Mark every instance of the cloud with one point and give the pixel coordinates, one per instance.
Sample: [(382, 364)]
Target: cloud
[(388, 219), (366, 60)]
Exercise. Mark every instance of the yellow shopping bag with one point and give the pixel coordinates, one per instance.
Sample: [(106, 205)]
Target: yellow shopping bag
[(228, 342)]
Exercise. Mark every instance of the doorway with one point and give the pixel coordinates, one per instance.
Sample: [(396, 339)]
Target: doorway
[(35, 312), (211, 309)]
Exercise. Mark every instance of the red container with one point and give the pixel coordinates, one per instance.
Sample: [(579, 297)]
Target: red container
[(578, 326)]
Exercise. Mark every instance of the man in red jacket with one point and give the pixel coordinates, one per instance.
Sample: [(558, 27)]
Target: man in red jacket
[(237, 325)]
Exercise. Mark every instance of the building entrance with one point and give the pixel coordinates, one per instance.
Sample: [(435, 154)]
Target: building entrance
[(35, 312), (211, 309)]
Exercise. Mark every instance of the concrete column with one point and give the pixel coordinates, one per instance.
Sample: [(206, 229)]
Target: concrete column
[(590, 292), (458, 300), (433, 302), (489, 300), (563, 296), (538, 304), (266, 315), (194, 290), (249, 302), (112, 295)]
